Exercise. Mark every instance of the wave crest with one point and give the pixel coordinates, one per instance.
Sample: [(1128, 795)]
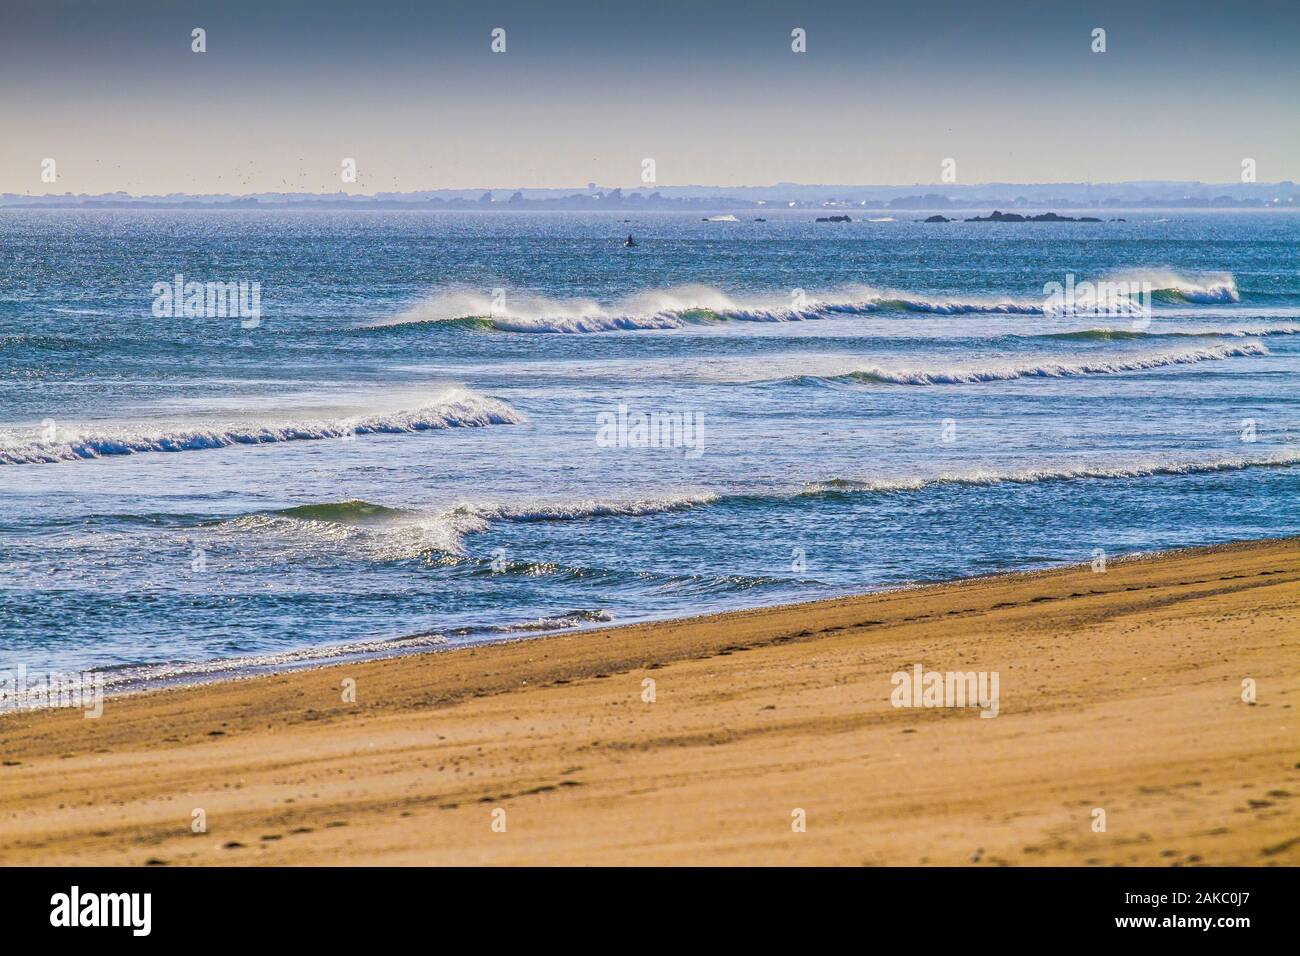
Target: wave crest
[(589, 508), (1166, 285), (456, 408), (678, 306), (385, 533), (1119, 335), (1047, 369), (1027, 476)]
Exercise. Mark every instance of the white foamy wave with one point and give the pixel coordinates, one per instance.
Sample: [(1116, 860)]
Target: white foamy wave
[(456, 408), (474, 518), (133, 677), (1025, 476), (399, 536), (1260, 330), (588, 508), (671, 308), (380, 533), (1049, 369), (1204, 288), (1202, 332), (587, 323), (570, 619), (947, 306), (678, 307)]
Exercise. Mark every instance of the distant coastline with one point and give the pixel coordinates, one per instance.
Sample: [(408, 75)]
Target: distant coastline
[(1021, 197)]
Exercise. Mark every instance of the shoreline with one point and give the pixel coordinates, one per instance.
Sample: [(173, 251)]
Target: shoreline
[(756, 713), (227, 669), (142, 678)]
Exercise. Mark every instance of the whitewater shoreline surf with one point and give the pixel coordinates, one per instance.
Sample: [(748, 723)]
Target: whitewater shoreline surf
[(126, 679), (1103, 675)]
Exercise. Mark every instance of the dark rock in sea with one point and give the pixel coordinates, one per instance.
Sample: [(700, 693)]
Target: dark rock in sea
[(834, 219), (936, 219), (1016, 217), (760, 220)]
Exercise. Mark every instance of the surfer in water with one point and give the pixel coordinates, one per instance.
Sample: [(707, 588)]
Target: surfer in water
[(630, 241)]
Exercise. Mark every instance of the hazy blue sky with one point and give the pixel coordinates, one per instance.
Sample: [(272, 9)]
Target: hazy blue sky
[(586, 90)]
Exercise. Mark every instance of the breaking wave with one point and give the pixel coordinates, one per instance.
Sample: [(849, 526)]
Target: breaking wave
[(1049, 369), (380, 532), (456, 408), (590, 508), (1027, 476), (677, 307), (377, 532), (573, 618), (655, 309), (1121, 335), (1169, 286)]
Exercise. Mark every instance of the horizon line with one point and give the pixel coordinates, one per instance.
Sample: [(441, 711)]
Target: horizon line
[(590, 189)]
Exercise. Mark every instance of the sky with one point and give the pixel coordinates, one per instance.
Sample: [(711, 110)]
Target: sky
[(586, 91)]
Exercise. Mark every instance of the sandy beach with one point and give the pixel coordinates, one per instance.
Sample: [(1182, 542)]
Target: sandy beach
[(1119, 692)]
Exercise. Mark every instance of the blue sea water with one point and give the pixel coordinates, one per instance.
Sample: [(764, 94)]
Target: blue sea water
[(407, 450)]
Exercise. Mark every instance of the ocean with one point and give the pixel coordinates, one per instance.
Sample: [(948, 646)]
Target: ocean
[(448, 428)]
